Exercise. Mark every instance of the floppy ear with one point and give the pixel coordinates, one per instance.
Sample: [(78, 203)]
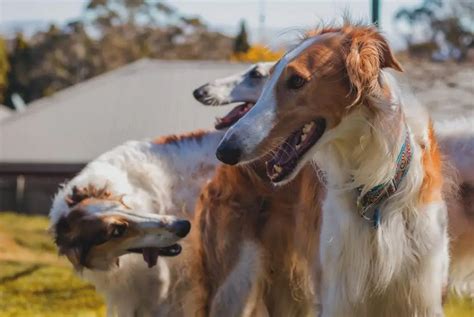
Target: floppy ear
[(367, 54), (74, 255), (63, 240)]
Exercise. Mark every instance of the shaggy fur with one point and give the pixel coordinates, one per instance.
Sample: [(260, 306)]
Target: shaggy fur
[(399, 269), (256, 253), (145, 176)]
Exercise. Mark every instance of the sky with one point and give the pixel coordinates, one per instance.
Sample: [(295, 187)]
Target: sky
[(225, 15)]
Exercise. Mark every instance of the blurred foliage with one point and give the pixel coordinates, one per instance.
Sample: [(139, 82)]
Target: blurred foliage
[(110, 34), (257, 53), (241, 43), (4, 68), (34, 281), (447, 28)]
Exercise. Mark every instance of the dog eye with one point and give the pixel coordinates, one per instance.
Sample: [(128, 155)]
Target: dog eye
[(255, 74), (296, 82), (118, 230)]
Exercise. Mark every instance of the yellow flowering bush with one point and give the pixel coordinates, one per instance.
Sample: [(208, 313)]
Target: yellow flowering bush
[(257, 53)]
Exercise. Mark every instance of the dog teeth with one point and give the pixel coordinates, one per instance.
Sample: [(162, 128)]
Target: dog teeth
[(307, 127), (277, 168), (303, 137), (297, 146)]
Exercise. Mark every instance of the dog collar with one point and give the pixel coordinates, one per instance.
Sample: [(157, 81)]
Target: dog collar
[(368, 205)]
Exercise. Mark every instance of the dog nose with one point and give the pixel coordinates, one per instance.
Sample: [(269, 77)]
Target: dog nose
[(200, 93), (229, 152), (181, 228)]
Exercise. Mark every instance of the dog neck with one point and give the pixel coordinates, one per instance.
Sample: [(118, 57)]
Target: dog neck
[(362, 151)]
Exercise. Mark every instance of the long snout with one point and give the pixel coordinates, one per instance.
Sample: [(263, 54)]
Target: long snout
[(241, 141), (155, 224), (201, 94), (229, 150)]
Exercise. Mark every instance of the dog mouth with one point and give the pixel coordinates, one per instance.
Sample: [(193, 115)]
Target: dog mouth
[(233, 116), (290, 152), (150, 254)]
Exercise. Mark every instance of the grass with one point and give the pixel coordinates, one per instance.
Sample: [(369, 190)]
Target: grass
[(34, 281)]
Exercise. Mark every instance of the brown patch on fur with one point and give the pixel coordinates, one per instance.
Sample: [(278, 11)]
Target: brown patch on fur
[(341, 68), (239, 205), (368, 52), (76, 233), (80, 194), (80, 235), (431, 188), (177, 138)]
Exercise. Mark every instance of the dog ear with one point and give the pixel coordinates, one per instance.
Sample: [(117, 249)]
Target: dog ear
[(64, 240), (74, 255), (367, 54)]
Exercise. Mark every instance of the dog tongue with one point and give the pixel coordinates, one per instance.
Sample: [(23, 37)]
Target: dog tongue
[(150, 255)]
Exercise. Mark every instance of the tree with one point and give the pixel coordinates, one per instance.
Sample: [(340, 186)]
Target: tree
[(445, 32), (241, 44), (4, 69), (110, 34), (106, 14)]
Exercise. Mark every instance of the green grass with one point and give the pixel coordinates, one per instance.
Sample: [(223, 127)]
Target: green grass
[(34, 281)]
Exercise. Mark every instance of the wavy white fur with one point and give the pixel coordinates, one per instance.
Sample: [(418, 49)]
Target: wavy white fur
[(159, 178), (401, 268)]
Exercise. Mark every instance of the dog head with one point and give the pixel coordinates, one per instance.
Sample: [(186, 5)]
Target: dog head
[(310, 90), (98, 228), (244, 88)]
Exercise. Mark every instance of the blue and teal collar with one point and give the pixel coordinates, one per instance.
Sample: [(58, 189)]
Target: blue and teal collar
[(368, 204)]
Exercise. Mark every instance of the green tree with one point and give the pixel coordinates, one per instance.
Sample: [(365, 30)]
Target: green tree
[(241, 44), (438, 20), (4, 69)]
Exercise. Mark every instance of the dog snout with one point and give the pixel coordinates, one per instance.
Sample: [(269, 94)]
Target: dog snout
[(201, 93), (229, 151), (181, 228)]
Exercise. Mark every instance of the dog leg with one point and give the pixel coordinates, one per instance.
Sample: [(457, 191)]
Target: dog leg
[(240, 294)]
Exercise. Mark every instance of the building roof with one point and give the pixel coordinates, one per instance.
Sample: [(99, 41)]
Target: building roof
[(5, 112), (141, 100)]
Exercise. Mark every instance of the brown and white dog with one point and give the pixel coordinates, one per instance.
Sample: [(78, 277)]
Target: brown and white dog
[(256, 244), (129, 196), (329, 101), (135, 199), (256, 255), (456, 141)]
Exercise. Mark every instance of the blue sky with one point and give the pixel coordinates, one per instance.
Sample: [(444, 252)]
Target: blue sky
[(223, 14)]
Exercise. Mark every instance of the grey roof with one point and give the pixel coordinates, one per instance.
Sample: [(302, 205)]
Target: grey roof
[(144, 99), (5, 112)]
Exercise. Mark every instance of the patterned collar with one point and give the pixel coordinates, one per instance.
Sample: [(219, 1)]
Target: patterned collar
[(368, 204)]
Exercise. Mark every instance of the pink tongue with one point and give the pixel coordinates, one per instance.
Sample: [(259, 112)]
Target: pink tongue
[(150, 255)]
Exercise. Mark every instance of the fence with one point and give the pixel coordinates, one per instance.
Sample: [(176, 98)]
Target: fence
[(30, 188)]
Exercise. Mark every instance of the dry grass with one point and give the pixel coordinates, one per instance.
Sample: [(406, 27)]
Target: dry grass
[(34, 281)]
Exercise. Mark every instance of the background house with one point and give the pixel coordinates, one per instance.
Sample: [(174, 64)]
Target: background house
[(56, 136)]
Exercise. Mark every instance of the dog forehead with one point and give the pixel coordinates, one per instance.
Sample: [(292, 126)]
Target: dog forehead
[(97, 206), (301, 50)]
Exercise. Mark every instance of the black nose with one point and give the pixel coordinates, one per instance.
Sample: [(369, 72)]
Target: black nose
[(200, 93), (181, 228), (229, 152)]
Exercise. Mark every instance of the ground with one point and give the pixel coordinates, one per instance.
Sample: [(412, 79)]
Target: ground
[(446, 89), (34, 281)]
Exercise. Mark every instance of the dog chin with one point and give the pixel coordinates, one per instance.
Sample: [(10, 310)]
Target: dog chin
[(103, 264), (306, 158)]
